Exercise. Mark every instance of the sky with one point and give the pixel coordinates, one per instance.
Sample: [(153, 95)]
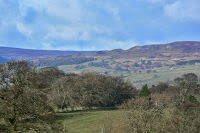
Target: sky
[(97, 24)]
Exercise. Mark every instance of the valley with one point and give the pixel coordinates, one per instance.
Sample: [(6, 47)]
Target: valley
[(137, 78), (148, 64), (115, 91)]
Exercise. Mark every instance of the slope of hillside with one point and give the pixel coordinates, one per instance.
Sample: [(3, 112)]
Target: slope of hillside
[(176, 51), (172, 52), (26, 54), (62, 60), (183, 46), (140, 64)]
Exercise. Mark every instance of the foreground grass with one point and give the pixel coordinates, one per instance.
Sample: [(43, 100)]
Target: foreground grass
[(86, 122)]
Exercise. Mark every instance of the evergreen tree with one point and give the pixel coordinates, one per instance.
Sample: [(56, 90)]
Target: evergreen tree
[(144, 91)]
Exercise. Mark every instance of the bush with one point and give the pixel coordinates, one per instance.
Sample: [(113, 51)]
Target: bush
[(169, 120)]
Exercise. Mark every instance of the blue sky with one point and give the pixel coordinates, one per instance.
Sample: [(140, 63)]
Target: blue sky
[(97, 24)]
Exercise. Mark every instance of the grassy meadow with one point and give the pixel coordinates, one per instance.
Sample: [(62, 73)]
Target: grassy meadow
[(88, 121), (162, 74)]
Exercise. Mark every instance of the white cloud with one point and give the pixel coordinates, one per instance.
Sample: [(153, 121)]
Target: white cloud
[(50, 46), (24, 29), (100, 44), (157, 1), (47, 46), (24, 5), (68, 21), (96, 24), (115, 12), (109, 44), (75, 32), (162, 2), (4, 45), (71, 20), (65, 9), (150, 42), (184, 10)]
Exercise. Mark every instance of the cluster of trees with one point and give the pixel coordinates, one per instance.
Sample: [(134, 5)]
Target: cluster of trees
[(102, 64), (23, 98), (146, 64), (171, 120), (184, 92), (90, 90), (30, 96), (127, 65), (161, 108), (63, 60), (80, 67), (190, 62)]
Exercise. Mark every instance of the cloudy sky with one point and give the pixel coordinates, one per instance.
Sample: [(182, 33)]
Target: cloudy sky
[(97, 24)]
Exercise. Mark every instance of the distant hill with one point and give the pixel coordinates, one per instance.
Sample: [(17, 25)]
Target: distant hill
[(176, 51), (27, 54), (172, 52)]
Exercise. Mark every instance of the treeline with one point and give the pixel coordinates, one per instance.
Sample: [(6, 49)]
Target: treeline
[(29, 97), (24, 103), (126, 65), (102, 64), (191, 62), (90, 90), (167, 108), (184, 93), (58, 61), (146, 64)]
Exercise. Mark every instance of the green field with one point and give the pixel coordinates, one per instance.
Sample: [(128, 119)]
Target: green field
[(163, 74), (88, 122)]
